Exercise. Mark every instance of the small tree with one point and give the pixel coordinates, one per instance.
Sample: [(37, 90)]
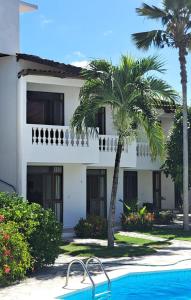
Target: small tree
[(174, 162), (133, 96)]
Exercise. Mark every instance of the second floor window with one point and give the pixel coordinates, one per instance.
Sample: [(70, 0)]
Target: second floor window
[(100, 121), (45, 108)]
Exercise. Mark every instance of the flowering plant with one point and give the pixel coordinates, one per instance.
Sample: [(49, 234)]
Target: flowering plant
[(15, 259)]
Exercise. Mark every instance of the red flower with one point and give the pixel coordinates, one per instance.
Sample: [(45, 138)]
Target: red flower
[(7, 252), (7, 269), (6, 236), (2, 218)]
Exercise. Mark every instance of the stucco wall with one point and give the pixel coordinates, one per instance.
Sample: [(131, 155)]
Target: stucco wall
[(167, 192), (145, 187), (8, 123), (74, 194), (9, 24)]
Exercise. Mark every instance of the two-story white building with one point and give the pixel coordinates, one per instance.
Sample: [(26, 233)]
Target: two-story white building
[(44, 160)]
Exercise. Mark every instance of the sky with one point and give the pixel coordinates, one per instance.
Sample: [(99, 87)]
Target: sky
[(77, 31)]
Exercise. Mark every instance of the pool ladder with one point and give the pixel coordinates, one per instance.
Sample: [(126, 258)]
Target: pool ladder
[(87, 273)]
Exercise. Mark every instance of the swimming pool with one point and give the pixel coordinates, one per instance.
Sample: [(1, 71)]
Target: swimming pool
[(166, 285)]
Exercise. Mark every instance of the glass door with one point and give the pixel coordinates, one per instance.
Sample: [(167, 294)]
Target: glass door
[(157, 190), (130, 191), (96, 193), (45, 187)]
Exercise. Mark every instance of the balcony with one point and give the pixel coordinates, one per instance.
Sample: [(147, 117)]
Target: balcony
[(144, 160), (59, 144), (108, 148)]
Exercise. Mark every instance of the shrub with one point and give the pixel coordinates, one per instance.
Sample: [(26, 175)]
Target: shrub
[(38, 225), (135, 221), (92, 227), (164, 217), (15, 258)]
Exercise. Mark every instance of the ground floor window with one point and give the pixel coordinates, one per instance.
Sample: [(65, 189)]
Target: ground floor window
[(45, 186), (130, 190), (97, 192)]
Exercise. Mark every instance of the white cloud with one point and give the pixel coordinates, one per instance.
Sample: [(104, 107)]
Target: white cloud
[(78, 53), (45, 21), (107, 32), (81, 64)]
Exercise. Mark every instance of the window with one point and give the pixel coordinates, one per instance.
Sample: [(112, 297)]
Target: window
[(100, 121), (45, 108)]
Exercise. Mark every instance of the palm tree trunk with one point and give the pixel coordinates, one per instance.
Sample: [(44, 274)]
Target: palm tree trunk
[(111, 216), (183, 73)]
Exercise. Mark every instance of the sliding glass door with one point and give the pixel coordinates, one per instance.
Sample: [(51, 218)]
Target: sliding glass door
[(96, 193), (45, 186)]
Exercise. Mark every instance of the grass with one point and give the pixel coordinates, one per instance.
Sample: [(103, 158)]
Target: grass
[(167, 233), (126, 247)]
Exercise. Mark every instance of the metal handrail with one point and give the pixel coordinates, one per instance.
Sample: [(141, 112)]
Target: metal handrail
[(86, 272), (102, 268)]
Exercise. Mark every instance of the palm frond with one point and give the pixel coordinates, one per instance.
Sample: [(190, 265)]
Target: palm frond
[(152, 12), (148, 64), (162, 91), (97, 68), (175, 4), (156, 138), (144, 40)]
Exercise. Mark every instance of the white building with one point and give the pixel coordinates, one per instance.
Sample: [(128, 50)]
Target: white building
[(43, 159)]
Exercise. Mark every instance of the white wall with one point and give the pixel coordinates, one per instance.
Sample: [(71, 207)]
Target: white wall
[(110, 129), (74, 194), (8, 120), (167, 123), (9, 24), (145, 187), (167, 192)]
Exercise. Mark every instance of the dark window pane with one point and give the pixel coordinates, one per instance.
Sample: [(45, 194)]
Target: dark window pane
[(45, 108), (100, 121), (35, 112), (45, 186)]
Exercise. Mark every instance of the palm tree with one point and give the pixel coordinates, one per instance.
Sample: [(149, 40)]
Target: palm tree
[(175, 17), (132, 95)]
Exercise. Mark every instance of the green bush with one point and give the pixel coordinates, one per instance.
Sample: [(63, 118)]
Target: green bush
[(164, 217), (38, 225), (92, 227), (15, 259), (136, 221)]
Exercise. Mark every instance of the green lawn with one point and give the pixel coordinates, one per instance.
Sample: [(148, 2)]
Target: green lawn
[(169, 234), (126, 247)]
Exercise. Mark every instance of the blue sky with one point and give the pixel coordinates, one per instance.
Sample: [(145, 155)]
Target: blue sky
[(74, 31)]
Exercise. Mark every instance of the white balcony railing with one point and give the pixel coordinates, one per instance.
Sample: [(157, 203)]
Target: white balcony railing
[(58, 136), (58, 144), (108, 143), (144, 159), (143, 149)]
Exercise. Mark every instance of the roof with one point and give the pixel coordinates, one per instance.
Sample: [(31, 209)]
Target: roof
[(62, 70), (26, 7)]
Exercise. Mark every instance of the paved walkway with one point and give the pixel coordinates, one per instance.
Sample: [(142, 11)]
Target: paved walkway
[(49, 284)]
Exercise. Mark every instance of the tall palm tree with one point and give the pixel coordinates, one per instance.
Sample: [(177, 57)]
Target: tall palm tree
[(133, 96), (175, 17)]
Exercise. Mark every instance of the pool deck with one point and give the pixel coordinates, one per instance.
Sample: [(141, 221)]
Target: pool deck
[(49, 284)]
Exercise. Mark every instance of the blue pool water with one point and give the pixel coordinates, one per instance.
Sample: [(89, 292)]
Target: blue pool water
[(168, 285)]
